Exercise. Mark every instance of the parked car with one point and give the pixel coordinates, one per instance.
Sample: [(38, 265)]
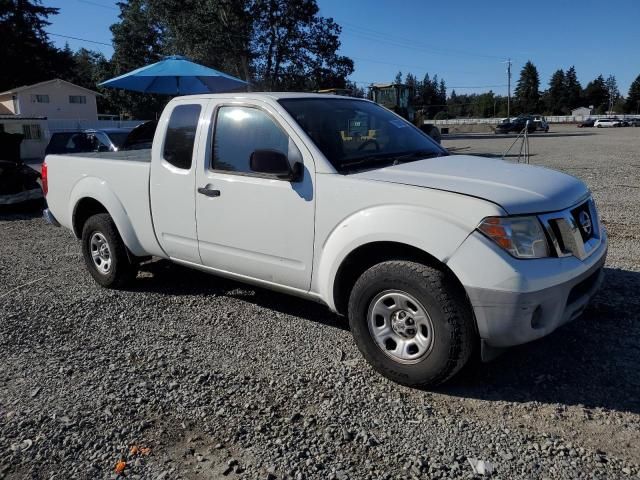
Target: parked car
[(517, 125), (18, 182), (607, 122), (634, 122), (83, 141), (541, 123), (587, 123), (428, 254), (141, 137)]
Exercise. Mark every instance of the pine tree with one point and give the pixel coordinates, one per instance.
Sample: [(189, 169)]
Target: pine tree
[(573, 89), (527, 90), (633, 98), (27, 55), (596, 95), (556, 98)]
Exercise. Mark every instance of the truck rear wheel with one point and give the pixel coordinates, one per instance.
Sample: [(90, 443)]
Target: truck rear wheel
[(411, 322), (105, 254)]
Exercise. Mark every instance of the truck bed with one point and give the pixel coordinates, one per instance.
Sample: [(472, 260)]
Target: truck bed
[(118, 180)]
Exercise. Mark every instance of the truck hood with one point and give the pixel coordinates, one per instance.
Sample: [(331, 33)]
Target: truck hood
[(517, 188)]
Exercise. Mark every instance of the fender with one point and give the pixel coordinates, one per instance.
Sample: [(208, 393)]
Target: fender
[(427, 229), (92, 187)]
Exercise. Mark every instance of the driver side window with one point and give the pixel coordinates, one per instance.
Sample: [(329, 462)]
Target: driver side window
[(239, 131)]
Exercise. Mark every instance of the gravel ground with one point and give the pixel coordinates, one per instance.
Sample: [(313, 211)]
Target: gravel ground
[(189, 376)]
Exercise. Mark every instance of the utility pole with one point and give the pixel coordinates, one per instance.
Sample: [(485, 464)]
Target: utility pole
[(509, 90)]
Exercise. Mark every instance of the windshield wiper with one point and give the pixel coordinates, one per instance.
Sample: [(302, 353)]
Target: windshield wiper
[(419, 155), (394, 159)]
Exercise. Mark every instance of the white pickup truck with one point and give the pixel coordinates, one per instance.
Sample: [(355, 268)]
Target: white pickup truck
[(341, 201)]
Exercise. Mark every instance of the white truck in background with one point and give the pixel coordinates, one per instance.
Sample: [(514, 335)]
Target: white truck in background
[(341, 201)]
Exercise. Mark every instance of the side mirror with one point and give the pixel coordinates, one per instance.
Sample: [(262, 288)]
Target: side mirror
[(275, 163)]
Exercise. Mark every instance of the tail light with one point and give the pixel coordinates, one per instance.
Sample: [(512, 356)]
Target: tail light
[(45, 180)]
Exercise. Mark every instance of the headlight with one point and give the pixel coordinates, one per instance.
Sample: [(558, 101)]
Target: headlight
[(522, 237)]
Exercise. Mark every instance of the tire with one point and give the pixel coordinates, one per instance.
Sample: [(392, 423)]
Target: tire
[(113, 266), (443, 339)]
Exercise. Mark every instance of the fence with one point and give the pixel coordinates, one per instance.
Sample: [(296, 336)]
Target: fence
[(550, 119)]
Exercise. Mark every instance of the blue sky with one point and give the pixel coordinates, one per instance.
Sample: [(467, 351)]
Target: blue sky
[(464, 42)]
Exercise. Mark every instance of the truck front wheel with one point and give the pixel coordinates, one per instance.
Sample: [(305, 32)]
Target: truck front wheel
[(411, 322), (105, 254)]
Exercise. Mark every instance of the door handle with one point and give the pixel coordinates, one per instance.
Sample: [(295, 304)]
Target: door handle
[(208, 192)]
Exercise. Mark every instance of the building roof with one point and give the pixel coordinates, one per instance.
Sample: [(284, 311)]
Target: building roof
[(387, 85), (55, 80)]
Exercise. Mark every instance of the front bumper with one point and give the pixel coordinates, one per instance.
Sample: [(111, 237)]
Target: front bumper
[(517, 301)]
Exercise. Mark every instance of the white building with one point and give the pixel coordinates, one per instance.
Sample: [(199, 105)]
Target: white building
[(55, 99), (583, 112)]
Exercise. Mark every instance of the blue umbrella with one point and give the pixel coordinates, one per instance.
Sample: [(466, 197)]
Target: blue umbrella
[(176, 75)]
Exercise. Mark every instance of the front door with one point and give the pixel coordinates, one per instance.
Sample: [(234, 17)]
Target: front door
[(249, 224)]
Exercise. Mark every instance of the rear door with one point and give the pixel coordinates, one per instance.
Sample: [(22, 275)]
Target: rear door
[(173, 175), (254, 225)]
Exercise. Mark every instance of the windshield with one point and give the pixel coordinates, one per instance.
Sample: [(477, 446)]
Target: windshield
[(355, 134)]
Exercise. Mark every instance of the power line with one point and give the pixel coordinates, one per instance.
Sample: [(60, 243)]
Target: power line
[(396, 64), (404, 42), (98, 5), (79, 39)]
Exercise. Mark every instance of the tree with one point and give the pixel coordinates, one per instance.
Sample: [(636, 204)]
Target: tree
[(595, 93), (295, 48), (27, 55), (527, 90), (633, 98), (442, 93), (398, 78), (89, 69), (137, 41), (355, 90), (613, 94), (274, 44), (217, 33), (556, 96), (573, 89)]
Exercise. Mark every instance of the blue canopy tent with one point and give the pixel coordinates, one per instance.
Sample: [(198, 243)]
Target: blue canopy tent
[(176, 75)]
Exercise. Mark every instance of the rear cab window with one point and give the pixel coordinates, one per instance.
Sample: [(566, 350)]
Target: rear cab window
[(180, 136)]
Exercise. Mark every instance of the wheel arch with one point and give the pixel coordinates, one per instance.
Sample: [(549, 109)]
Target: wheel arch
[(369, 254), (85, 208), (91, 196)]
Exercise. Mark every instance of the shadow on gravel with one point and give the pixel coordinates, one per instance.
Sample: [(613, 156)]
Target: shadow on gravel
[(592, 361), (172, 279)]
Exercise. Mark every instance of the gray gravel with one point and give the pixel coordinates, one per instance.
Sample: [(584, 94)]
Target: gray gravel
[(220, 380)]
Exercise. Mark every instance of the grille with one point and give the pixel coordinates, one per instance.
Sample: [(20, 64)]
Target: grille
[(574, 231)]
